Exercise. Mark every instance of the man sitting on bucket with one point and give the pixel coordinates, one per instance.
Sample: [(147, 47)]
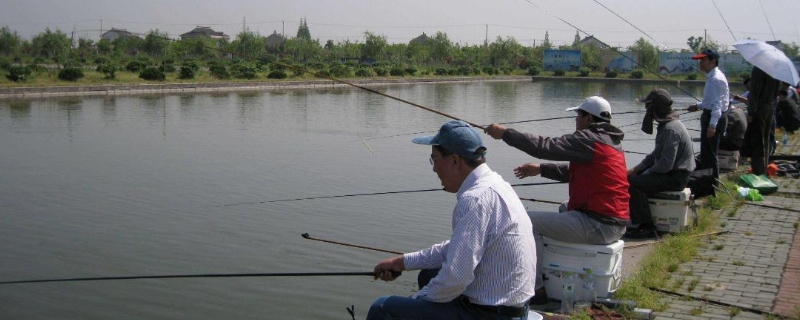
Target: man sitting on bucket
[(666, 168), (597, 211), (487, 267)]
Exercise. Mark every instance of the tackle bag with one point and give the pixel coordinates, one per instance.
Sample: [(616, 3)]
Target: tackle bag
[(702, 183), (761, 183)]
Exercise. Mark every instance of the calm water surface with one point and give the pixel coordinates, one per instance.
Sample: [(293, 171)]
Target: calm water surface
[(169, 184)]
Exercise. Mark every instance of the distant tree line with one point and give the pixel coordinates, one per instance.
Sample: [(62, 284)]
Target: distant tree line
[(249, 56)]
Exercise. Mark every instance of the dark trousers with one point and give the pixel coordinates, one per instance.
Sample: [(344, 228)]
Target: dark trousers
[(643, 186), (708, 147)]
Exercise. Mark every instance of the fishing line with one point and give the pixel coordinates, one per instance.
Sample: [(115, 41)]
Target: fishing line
[(766, 18), (692, 64), (723, 19), (207, 275), (615, 50), (368, 194)]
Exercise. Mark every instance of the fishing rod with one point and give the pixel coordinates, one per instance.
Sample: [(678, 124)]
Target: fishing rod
[(369, 194), (307, 236), (693, 65), (615, 50), (207, 275), (723, 20), (503, 123), (539, 200)]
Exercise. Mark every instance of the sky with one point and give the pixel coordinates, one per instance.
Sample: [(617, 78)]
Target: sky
[(665, 24)]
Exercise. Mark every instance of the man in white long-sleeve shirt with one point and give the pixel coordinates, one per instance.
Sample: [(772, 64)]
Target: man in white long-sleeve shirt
[(716, 97), (486, 270)]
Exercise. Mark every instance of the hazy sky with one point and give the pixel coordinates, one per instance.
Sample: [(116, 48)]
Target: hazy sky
[(669, 23)]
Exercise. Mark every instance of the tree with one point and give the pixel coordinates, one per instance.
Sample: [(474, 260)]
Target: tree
[(791, 50), (374, 47), (10, 42), (156, 43), (648, 54), (695, 43), (591, 56), (249, 44), (104, 46), (50, 44), (130, 45), (504, 53), (546, 43), (440, 47), (302, 31), (698, 44), (577, 39), (86, 47)]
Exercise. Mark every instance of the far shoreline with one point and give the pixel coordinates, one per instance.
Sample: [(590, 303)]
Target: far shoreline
[(12, 93)]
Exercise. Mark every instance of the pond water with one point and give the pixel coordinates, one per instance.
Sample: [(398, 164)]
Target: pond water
[(180, 184)]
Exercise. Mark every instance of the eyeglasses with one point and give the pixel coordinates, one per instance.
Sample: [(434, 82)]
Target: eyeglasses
[(432, 160)]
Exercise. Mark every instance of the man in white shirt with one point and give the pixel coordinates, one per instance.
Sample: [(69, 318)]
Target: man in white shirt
[(486, 270), (716, 97)]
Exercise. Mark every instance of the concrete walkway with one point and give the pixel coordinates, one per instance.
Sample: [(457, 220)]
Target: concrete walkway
[(751, 272)]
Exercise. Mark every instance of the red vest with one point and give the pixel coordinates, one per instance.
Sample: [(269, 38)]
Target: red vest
[(600, 186)]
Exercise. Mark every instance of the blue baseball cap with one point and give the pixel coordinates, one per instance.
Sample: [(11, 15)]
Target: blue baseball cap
[(458, 137)]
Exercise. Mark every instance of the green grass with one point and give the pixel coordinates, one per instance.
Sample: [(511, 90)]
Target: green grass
[(657, 268)]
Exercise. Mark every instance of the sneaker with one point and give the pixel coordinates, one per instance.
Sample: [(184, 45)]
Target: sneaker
[(540, 297)]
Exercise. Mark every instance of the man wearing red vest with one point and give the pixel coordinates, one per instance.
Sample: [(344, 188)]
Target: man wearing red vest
[(597, 210)]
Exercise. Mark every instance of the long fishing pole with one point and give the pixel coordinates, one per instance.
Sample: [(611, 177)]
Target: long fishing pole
[(503, 123), (309, 237), (613, 49), (207, 275), (723, 20), (693, 65), (539, 200), (369, 194)]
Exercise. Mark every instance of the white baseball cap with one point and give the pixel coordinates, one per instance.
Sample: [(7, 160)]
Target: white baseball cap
[(595, 105)]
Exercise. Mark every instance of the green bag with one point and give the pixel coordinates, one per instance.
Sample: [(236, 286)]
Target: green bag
[(761, 183), (754, 195)]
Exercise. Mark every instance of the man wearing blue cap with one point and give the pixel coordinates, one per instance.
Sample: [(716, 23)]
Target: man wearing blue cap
[(487, 268), (716, 97)]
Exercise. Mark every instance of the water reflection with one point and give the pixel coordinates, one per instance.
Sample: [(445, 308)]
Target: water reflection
[(70, 104), (109, 110), (186, 100), (249, 98), (20, 109)]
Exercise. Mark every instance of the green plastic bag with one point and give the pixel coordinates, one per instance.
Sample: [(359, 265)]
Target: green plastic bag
[(761, 183), (754, 195)]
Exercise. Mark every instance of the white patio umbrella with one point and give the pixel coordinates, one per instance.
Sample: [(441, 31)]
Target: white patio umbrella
[(769, 59)]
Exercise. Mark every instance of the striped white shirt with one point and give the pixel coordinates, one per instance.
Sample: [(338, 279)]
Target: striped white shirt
[(491, 256)]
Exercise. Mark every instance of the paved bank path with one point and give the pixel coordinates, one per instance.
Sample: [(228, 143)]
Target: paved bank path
[(752, 272)]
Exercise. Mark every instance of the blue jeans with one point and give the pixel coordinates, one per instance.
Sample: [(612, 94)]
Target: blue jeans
[(403, 308)]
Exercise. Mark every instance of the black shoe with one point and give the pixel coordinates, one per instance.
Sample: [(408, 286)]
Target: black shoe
[(642, 232), (539, 298)]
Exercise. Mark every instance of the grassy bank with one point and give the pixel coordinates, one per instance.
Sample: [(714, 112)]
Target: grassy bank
[(49, 78)]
